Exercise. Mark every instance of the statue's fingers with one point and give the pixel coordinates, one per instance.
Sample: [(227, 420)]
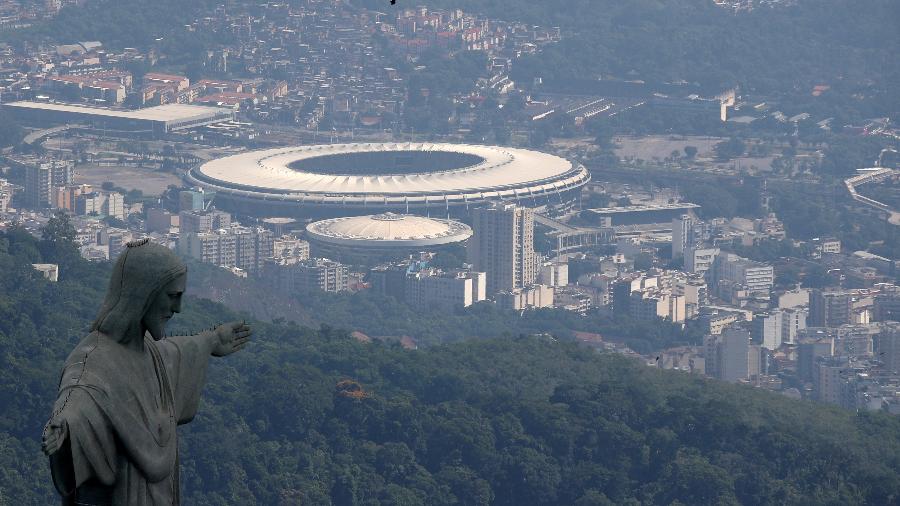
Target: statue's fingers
[(237, 325)]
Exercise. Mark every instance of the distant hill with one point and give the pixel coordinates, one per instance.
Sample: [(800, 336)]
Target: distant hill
[(307, 416)]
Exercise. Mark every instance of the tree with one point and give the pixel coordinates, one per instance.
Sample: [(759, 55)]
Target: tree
[(59, 229), (11, 133), (732, 148), (690, 152), (57, 244)]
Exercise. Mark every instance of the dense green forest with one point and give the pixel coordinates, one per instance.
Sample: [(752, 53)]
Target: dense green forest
[(307, 416)]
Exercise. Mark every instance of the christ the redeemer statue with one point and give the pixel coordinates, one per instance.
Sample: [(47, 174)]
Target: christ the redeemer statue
[(123, 390)]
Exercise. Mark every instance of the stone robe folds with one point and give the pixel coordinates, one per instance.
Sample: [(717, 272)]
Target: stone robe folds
[(122, 399), (121, 426)]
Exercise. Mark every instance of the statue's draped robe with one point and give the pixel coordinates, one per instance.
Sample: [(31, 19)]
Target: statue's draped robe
[(121, 399), (122, 406)]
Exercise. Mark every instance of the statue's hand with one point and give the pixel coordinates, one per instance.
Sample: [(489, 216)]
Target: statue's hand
[(55, 434), (229, 338)]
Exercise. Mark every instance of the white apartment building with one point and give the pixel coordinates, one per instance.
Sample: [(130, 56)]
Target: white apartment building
[(503, 246), (431, 287)]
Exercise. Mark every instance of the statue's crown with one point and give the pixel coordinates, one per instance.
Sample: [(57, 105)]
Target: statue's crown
[(137, 242)]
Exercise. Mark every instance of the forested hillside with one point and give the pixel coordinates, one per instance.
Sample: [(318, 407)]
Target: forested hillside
[(314, 417), (841, 42)]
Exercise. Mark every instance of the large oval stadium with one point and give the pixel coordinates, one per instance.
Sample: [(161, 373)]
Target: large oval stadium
[(367, 178)]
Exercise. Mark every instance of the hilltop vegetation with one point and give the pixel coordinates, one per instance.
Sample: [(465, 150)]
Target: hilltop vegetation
[(313, 417), (840, 42)]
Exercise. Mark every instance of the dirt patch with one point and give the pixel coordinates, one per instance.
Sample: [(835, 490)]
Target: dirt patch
[(661, 146), (149, 181)]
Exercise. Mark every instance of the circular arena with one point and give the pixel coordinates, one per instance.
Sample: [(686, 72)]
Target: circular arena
[(366, 178), (385, 235)]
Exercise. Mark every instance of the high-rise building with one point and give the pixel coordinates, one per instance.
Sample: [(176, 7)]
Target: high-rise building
[(828, 377), (793, 320), (887, 347), (682, 235), (734, 354), (830, 308), (809, 350), (6, 194), (252, 246), (215, 247), (42, 178), (503, 246), (767, 329), (730, 356)]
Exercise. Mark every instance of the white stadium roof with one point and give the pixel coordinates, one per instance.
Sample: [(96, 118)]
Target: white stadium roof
[(388, 230), (163, 113), (489, 172)]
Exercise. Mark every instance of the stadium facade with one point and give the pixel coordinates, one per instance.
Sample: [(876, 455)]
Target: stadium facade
[(371, 178)]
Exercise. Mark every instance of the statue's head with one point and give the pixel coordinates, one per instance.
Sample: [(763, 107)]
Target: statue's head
[(144, 292)]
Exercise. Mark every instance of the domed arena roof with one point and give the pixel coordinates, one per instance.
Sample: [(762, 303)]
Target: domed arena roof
[(388, 230)]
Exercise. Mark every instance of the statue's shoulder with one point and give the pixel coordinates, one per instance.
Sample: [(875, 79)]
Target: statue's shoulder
[(95, 356)]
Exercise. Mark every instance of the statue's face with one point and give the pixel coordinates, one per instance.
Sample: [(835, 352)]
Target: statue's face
[(167, 303)]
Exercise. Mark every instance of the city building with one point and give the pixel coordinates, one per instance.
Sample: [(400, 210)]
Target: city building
[(887, 347), (161, 221), (767, 329), (430, 288), (202, 221), (190, 200), (41, 179), (50, 271), (554, 274), (533, 296), (751, 275), (6, 195), (731, 356), (246, 248), (828, 379), (653, 303), (308, 276), (101, 203), (830, 308), (699, 260), (503, 246), (290, 249), (819, 343), (793, 320), (682, 235)]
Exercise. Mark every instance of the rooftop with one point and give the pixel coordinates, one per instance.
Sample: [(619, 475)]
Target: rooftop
[(168, 112)]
